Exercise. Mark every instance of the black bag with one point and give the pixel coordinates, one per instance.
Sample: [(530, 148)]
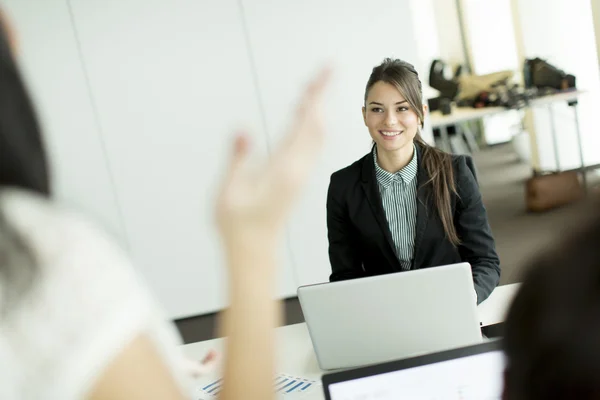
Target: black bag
[(448, 88), (538, 73)]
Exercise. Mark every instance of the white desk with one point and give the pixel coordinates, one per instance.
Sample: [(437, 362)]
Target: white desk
[(295, 352), (458, 118), (295, 356), (462, 114), (493, 310)]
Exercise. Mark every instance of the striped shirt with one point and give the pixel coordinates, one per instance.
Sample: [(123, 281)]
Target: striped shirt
[(399, 198)]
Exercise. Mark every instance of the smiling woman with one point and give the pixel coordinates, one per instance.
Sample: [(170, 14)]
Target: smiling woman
[(406, 205)]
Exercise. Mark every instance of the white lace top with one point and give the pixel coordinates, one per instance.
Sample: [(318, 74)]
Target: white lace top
[(86, 304)]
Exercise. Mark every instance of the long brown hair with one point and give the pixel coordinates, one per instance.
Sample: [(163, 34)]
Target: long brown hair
[(437, 163)]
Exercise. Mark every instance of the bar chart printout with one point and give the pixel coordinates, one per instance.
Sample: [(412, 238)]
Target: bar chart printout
[(286, 386)]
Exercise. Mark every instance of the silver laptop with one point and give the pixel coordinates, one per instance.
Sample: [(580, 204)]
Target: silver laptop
[(473, 372), (371, 320)]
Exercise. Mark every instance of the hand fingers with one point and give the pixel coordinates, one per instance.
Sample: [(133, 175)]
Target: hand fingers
[(196, 369), (210, 357), (307, 131), (310, 105), (241, 146), (317, 86)]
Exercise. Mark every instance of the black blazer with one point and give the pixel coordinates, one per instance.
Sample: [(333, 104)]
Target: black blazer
[(360, 242)]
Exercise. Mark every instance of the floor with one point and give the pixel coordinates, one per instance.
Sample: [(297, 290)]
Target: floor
[(519, 235)]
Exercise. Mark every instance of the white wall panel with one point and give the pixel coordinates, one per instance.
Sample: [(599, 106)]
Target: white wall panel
[(172, 81), (49, 57)]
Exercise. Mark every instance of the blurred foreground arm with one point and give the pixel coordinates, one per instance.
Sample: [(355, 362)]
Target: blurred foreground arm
[(252, 209)]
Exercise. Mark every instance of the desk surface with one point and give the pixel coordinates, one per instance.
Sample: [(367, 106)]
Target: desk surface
[(493, 310), (463, 114), (295, 352)]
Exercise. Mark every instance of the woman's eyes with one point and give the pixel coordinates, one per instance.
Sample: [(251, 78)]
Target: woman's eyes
[(378, 109)]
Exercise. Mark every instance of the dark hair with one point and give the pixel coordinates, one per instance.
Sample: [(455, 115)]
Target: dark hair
[(552, 331), (437, 163), (23, 165), (23, 161)]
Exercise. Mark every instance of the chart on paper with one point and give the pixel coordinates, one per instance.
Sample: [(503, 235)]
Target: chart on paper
[(285, 386)]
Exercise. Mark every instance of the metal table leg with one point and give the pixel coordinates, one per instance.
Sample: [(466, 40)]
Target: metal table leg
[(445, 139), (469, 136), (554, 140), (580, 147)]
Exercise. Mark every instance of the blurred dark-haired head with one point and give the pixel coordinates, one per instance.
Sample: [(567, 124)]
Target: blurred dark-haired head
[(23, 161), (552, 336)]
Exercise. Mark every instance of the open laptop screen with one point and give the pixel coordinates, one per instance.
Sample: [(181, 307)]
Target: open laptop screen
[(472, 373)]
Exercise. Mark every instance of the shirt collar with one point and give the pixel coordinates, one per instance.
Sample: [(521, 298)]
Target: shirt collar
[(406, 174)]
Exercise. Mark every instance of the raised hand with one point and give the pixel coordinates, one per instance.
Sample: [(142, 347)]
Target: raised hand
[(255, 202)]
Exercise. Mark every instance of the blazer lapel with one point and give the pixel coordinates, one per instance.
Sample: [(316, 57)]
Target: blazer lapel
[(424, 205), (369, 185)]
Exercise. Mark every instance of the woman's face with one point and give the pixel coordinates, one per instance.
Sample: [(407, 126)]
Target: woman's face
[(392, 123)]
